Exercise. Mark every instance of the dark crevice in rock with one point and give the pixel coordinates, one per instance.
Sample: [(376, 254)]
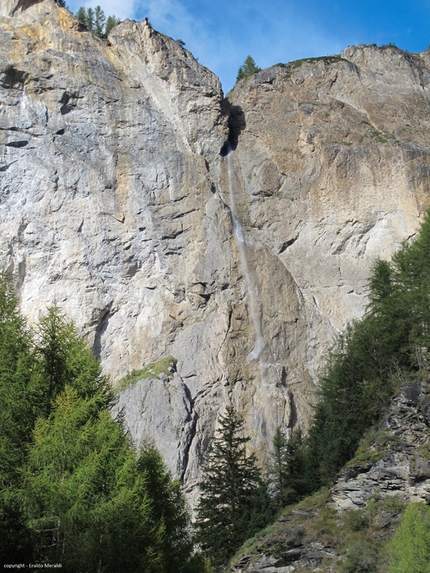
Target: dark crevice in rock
[(13, 78), (6, 167), (17, 144), (101, 328), (236, 124), (193, 417)]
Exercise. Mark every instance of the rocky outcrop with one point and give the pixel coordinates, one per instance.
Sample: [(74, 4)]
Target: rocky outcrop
[(118, 201), (395, 458), (364, 506)]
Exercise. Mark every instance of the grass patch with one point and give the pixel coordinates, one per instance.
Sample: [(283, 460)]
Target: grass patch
[(165, 366), (373, 447), (298, 63)]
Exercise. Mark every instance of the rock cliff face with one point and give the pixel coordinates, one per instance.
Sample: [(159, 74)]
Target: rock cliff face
[(119, 202)]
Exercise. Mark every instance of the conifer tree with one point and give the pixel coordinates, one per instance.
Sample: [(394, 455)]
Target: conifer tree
[(234, 502), (17, 417), (248, 68), (168, 507), (86, 501), (90, 19), (286, 471), (409, 551), (96, 21), (81, 15), (110, 23), (99, 22)]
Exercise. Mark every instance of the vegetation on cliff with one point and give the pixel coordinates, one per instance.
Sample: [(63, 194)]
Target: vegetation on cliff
[(248, 68), (363, 369), (96, 21)]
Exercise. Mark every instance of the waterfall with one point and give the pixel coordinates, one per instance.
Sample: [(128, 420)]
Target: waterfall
[(261, 351)]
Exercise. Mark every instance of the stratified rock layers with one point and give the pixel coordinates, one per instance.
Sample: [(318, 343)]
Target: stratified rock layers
[(117, 204)]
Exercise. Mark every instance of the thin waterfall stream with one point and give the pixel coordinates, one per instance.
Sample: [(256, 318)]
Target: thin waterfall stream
[(261, 351)]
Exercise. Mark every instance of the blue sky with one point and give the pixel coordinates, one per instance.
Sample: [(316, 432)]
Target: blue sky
[(222, 33)]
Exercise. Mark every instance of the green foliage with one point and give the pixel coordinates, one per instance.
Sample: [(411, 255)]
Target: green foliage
[(234, 502), (169, 509), (248, 68), (165, 365), (83, 495), (361, 558), (19, 397), (63, 358), (361, 372), (357, 520), (61, 3), (409, 551), (111, 21), (286, 471), (72, 489), (96, 21)]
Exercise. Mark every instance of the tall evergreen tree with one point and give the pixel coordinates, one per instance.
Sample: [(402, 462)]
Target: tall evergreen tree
[(81, 15), (90, 19), (234, 502), (111, 22), (99, 22), (63, 358), (287, 467), (17, 417), (87, 503), (248, 68), (168, 507)]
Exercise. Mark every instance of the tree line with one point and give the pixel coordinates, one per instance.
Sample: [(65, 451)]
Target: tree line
[(94, 19)]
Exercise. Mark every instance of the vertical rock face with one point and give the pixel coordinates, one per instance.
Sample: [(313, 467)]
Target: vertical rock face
[(118, 202)]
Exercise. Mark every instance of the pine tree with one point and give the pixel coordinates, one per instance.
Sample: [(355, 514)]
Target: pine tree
[(64, 359), (81, 15), (248, 68), (234, 501), (287, 468), (111, 22), (168, 507), (99, 22), (89, 21), (61, 3), (278, 474)]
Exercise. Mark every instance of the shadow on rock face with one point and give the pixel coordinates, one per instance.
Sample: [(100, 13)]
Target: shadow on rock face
[(236, 124)]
